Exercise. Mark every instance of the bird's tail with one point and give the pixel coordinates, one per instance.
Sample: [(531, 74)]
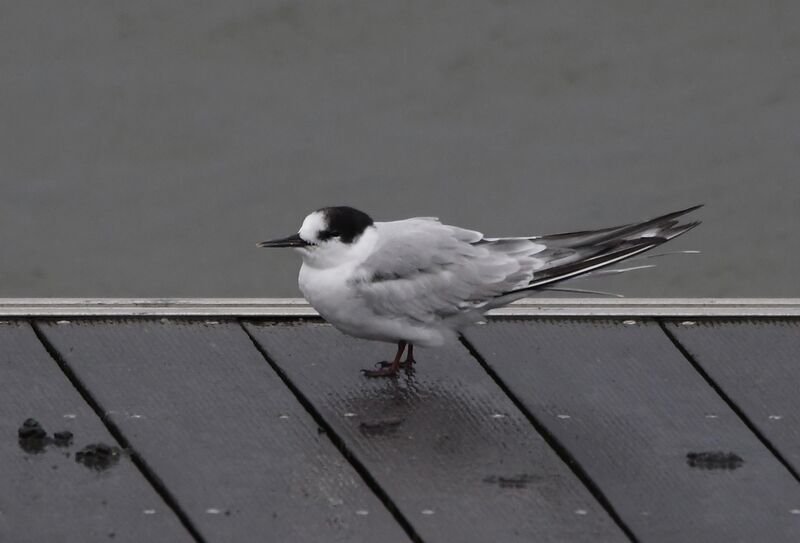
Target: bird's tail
[(572, 254)]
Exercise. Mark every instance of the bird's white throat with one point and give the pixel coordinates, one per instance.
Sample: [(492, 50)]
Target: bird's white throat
[(333, 253)]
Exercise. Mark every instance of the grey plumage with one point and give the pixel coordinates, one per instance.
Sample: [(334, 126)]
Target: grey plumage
[(425, 271)]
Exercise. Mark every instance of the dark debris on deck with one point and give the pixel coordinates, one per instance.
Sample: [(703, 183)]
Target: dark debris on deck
[(531, 429)]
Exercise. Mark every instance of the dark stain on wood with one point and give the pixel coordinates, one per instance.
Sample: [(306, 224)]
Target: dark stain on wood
[(98, 456), (714, 460), (521, 480), (387, 427)]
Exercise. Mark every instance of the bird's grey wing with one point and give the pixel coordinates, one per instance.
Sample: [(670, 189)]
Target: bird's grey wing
[(424, 270)]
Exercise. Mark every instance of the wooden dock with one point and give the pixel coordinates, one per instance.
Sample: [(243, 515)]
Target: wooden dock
[(248, 420)]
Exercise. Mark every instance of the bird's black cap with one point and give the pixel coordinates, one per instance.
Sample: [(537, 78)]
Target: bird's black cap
[(344, 222)]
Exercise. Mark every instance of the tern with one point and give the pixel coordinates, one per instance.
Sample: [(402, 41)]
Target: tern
[(420, 282)]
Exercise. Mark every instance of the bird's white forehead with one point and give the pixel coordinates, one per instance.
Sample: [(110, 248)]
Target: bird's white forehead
[(313, 225)]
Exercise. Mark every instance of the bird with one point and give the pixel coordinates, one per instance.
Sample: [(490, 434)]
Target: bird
[(419, 282)]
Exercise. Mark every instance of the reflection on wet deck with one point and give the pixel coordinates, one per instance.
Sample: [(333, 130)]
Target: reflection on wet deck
[(555, 428)]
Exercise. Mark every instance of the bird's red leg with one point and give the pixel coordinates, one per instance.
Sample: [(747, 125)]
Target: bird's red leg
[(409, 362), (386, 369)]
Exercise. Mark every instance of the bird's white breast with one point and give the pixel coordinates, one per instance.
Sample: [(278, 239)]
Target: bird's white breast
[(334, 296), (326, 279), (329, 279), (330, 292)]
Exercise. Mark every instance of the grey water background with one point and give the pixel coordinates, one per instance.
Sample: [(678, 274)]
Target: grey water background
[(145, 147)]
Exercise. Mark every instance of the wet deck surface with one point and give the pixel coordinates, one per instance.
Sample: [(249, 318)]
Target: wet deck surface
[(532, 429)]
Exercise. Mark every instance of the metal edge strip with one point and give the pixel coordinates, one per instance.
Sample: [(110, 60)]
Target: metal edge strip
[(295, 307)]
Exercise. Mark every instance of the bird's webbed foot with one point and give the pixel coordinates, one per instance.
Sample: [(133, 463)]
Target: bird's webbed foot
[(391, 369), (384, 369)]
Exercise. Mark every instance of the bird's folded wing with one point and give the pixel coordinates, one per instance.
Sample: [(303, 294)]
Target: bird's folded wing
[(424, 270)]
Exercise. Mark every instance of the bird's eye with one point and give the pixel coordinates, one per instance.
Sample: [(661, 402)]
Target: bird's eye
[(328, 234)]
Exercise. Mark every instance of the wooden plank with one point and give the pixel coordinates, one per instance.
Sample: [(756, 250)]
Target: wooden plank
[(218, 426), (458, 459), (45, 494), (756, 362), (639, 418)]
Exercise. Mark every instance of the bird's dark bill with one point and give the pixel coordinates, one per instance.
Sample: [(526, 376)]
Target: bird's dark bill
[(292, 241)]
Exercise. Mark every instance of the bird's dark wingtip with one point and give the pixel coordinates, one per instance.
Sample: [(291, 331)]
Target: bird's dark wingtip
[(682, 229), (676, 214), (693, 208)]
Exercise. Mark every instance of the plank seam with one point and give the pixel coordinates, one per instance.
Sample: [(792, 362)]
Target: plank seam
[(338, 442), (728, 400), (137, 460), (554, 443)]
